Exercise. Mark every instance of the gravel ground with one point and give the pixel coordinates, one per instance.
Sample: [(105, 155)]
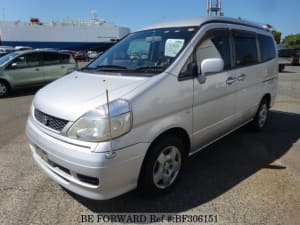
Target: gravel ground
[(245, 178)]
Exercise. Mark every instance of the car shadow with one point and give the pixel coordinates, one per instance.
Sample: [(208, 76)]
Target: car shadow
[(215, 170), (22, 92), (287, 71)]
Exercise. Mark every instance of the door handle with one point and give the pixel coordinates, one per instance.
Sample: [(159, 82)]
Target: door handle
[(241, 77), (230, 80), (37, 69), (62, 67)]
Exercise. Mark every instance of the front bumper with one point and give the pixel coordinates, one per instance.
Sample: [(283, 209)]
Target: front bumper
[(81, 171)]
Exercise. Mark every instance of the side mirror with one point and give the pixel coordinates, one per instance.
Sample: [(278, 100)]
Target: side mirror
[(13, 66), (210, 66)]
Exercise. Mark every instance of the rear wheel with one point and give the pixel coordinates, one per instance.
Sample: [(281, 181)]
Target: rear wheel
[(281, 67), (4, 88), (260, 119), (162, 166)]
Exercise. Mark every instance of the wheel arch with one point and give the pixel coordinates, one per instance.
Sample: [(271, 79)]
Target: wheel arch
[(268, 98), (177, 132), (6, 82)]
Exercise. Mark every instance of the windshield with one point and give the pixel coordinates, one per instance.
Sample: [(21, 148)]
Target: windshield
[(150, 51), (7, 57)]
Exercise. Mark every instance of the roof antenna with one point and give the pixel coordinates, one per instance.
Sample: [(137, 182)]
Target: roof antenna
[(111, 154)]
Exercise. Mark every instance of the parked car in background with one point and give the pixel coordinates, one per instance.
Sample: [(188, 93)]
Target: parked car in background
[(2, 53), (288, 57), (30, 68), (81, 56), (78, 55), (93, 54), (70, 52), (5, 50), (19, 48)]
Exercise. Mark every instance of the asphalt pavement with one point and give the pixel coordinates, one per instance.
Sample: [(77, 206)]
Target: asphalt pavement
[(245, 178)]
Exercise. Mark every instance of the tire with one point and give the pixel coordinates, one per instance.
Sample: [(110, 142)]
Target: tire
[(281, 67), (162, 166), (4, 88), (261, 117)]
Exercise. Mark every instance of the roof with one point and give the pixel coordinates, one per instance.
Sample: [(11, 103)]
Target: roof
[(37, 50), (197, 21)]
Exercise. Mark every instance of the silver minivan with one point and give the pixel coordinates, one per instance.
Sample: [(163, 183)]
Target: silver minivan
[(131, 117)]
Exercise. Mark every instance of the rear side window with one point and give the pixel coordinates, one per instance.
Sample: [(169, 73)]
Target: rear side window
[(51, 58), (267, 48), (65, 58), (245, 48)]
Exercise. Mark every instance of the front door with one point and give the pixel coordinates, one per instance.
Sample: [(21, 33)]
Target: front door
[(215, 100), (25, 71)]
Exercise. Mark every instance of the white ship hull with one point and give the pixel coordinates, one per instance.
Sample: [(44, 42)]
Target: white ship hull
[(73, 35)]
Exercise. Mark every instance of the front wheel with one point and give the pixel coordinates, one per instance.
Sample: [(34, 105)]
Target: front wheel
[(260, 119), (3, 88), (162, 166)]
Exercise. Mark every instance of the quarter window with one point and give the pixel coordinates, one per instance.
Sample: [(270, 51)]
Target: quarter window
[(188, 69)]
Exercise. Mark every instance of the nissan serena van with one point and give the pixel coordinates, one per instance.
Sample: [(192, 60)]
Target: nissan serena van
[(131, 117)]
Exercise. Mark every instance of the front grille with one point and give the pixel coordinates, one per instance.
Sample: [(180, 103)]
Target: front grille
[(50, 121)]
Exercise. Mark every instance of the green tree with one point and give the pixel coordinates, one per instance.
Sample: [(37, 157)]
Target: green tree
[(277, 36), (292, 41)]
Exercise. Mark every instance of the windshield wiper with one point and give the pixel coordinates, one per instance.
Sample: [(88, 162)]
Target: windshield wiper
[(109, 67), (145, 68), (105, 68)]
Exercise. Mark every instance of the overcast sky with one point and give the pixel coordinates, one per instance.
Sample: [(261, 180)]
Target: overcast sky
[(282, 14)]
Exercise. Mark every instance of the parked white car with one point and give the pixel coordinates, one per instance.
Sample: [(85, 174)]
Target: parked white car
[(5, 50), (92, 54), (132, 117), (18, 48)]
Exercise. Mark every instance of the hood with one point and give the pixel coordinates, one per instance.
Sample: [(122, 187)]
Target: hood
[(75, 94)]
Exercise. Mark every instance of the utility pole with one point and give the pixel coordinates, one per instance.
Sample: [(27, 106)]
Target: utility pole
[(214, 8)]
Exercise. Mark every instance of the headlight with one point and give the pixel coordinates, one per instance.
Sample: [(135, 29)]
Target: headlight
[(93, 126)]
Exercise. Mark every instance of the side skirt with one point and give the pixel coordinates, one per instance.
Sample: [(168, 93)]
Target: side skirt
[(220, 137)]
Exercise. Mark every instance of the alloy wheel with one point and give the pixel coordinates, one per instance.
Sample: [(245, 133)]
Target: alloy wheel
[(167, 167)]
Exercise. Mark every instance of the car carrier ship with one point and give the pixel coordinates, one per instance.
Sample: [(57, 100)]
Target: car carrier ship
[(71, 34)]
